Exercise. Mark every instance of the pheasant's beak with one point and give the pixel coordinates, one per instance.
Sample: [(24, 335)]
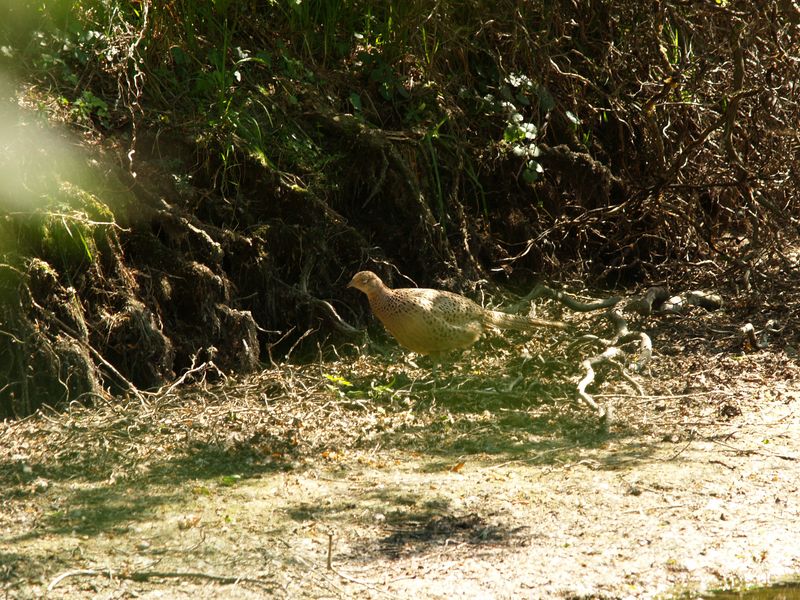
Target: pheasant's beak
[(352, 283)]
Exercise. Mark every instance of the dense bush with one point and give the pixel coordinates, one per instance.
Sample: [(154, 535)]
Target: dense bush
[(282, 145)]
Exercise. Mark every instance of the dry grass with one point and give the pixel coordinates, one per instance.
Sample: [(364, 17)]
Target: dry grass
[(232, 487)]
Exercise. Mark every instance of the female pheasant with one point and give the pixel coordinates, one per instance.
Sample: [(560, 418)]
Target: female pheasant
[(430, 321)]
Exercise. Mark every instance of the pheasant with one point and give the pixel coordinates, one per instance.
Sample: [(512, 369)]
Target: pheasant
[(433, 322)]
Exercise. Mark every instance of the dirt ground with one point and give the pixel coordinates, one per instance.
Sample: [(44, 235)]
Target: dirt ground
[(362, 477)]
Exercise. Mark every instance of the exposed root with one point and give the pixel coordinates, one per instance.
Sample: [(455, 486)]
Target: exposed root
[(656, 300)]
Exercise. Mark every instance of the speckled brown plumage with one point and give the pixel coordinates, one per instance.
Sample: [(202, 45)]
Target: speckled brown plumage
[(434, 321)]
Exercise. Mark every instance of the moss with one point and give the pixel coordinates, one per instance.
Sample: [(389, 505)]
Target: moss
[(68, 231)]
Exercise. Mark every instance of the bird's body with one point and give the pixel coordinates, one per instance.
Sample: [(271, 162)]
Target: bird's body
[(430, 321)]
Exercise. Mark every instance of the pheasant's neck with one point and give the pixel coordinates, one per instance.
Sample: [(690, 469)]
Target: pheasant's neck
[(379, 295)]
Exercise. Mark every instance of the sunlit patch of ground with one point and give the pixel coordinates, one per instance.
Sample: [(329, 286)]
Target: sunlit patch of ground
[(368, 477)]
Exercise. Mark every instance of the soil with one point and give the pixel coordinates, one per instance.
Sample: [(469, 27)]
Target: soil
[(365, 477), (362, 473)]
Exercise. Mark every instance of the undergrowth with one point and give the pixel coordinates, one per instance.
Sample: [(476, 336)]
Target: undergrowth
[(663, 113), (262, 152)]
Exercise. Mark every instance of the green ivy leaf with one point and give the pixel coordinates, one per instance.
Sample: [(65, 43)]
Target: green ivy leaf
[(355, 100)]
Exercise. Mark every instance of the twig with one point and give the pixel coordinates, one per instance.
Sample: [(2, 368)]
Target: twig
[(366, 584), (192, 370), (145, 575), (538, 456), (542, 291), (337, 321), (649, 508), (748, 452), (588, 366), (685, 446), (298, 340), (75, 573)]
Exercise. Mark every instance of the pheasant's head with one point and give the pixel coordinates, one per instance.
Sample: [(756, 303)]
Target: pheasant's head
[(367, 282)]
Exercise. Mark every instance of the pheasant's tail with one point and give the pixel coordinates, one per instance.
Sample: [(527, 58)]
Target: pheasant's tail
[(519, 322)]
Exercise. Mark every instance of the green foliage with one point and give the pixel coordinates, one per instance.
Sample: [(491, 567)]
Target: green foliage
[(346, 390), (239, 71), (230, 480), (438, 191), (381, 73), (481, 88), (518, 95), (87, 108), (337, 380), (67, 230)]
